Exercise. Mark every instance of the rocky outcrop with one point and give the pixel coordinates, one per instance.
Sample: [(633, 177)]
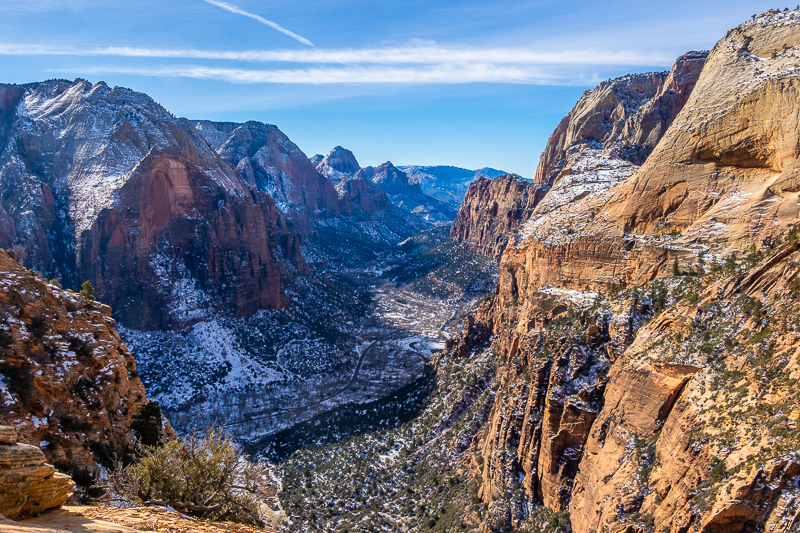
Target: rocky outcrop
[(358, 194), (104, 184), (600, 143), (67, 382), (645, 369), (492, 211), (269, 162), (28, 485), (625, 116), (392, 180)]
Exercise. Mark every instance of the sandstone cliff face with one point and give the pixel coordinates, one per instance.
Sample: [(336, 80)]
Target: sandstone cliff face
[(28, 485), (103, 184), (646, 372), (492, 211), (626, 116), (67, 382), (599, 144)]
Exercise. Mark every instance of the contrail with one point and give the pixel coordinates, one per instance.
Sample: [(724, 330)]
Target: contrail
[(262, 20)]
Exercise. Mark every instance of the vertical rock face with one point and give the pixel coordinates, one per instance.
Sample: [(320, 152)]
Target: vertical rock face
[(103, 184), (181, 235), (28, 485), (67, 382), (601, 142), (668, 405), (492, 211), (626, 116)]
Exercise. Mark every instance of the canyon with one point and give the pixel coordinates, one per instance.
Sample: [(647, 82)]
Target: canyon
[(611, 346)]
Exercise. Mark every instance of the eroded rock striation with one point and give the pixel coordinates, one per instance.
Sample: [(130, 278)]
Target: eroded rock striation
[(643, 327), (67, 381), (492, 211), (28, 485)]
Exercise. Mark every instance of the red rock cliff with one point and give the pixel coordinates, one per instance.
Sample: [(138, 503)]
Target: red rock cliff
[(103, 184)]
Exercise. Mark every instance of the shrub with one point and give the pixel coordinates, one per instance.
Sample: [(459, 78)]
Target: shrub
[(38, 326), (82, 350), (87, 290), (206, 476), (147, 424), (6, 339), (19, 380), (17, 253)]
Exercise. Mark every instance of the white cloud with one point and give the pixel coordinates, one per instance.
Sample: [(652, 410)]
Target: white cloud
[(413, 63), (436, 74), (239, 11), (427, 53)]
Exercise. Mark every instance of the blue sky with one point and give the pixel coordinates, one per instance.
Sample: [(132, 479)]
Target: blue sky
[(465, 83)]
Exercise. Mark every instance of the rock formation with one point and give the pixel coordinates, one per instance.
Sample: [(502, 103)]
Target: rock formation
[(408, 196), (625, 116), (358, 194), (67, 382), (28, 485), (339, 165), (269, 162), (602, 141), (492, 211), (104, 184), (643, 321)]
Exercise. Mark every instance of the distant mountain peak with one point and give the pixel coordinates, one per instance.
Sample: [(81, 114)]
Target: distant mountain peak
[(342, 160)]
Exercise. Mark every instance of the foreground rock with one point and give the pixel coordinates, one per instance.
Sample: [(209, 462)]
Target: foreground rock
[(67, 381), (117, 520), (28, 485)]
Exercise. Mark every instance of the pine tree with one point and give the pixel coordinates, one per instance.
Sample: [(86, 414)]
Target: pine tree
[(87, 290)]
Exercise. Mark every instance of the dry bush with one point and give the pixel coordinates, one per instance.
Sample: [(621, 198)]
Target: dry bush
[(205, 476)]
